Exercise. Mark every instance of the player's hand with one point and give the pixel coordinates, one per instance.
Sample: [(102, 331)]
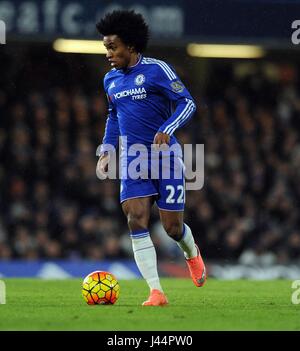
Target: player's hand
[(102, 165), (160, 139)]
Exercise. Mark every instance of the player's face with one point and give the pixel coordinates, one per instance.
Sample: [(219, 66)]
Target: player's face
[(118, 54)]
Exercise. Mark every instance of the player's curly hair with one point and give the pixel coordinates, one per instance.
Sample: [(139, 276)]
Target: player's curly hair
[(129, 26)]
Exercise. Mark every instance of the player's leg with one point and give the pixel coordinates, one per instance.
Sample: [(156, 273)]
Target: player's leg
[(137, 211), (179, 231), (170, 201), (173, 224)]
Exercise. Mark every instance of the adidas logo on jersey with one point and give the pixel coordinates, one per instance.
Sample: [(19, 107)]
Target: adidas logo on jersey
[(113, 85)]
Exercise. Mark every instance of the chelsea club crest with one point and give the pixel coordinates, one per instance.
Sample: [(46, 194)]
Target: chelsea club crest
[(140, 79)]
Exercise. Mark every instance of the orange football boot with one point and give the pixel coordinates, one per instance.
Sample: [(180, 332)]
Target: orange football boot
[(197, 269), (156, 298)]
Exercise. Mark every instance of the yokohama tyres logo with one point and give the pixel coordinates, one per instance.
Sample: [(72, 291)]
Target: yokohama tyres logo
[(130, 92)]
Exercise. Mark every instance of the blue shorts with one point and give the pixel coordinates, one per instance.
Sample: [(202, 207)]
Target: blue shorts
[(168, 188)]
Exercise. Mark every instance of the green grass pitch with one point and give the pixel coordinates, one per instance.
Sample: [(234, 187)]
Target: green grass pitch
[(42, 305)]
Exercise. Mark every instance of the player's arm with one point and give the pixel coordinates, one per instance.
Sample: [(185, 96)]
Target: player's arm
[(172, 87), (110, 138), (112, 131)]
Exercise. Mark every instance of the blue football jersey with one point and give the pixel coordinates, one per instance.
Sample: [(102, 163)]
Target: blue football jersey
[(144, 99)]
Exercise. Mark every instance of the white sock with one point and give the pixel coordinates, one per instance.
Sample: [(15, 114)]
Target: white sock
[(187, 243), (145, 258)]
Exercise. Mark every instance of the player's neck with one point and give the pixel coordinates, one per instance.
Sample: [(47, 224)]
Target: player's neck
[(134, 60)]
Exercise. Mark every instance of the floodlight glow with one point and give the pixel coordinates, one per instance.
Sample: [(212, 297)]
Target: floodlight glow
[(79, 46), (225, 51)]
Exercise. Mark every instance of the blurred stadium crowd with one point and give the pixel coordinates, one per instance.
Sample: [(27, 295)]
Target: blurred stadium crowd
[(53, 205)]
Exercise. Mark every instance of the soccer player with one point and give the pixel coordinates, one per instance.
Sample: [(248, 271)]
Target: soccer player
[(147, 104)]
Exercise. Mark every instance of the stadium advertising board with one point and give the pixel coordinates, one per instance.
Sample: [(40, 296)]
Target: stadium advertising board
[(74, 18), (209, 20)]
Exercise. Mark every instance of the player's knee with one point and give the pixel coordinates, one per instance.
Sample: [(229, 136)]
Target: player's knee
[(174, 230)]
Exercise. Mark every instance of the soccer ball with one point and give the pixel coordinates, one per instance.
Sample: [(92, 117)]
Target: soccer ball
[(100, 288)]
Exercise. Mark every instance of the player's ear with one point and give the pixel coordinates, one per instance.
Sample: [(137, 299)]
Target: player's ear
[(131, 49)]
